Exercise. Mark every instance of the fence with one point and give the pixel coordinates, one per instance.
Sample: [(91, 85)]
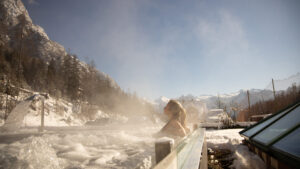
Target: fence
[(189, 153)]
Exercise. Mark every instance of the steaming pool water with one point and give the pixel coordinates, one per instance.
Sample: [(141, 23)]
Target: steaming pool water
[(106, 148)]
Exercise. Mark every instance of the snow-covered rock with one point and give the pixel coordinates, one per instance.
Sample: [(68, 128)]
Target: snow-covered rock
[(16, 22)]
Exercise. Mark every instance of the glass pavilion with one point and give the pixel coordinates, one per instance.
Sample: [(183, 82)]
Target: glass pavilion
[(277, 138)]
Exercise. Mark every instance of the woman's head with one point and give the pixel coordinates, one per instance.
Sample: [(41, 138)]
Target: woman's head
[(175, 110)]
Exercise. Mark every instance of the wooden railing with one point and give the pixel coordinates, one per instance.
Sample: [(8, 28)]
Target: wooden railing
[(189, 153)]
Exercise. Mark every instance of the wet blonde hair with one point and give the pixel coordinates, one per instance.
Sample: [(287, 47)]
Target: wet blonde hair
[(178, 112)]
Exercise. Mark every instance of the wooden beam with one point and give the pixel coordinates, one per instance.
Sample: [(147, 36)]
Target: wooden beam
[(273, 89), (163, 147)]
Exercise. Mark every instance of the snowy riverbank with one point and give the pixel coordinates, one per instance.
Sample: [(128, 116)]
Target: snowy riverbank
[(231, 140)]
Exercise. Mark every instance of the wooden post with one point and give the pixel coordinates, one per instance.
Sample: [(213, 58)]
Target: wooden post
[(248, 105), (20, 54), (273, 89), (6, 101), (261, 103), (219, 102), (163, 147), (6, 107), (42, 115), (203, 161)]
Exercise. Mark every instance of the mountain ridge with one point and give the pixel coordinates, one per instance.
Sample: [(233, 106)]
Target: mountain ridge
[(239, 98), (19, 33)]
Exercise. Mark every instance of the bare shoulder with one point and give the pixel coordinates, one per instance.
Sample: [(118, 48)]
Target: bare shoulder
[(175, 123)]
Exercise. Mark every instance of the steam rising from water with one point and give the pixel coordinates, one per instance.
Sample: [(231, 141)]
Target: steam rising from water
[(92, 149)]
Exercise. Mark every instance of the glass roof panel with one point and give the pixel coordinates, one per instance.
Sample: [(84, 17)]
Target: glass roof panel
[(260, 126), (290, 143), (284, 124)]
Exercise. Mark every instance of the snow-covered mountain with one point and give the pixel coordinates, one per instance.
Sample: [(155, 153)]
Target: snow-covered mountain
[(283, 84), (232, 99), (20, 37), (17, 27), (238, 99), (18, 32), (160, 103)]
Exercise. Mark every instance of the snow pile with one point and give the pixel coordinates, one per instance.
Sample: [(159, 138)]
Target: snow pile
[(34, 151), (246, 159), (214, 115), (15, 119), (230, 139), (28, 113), (57, 112)]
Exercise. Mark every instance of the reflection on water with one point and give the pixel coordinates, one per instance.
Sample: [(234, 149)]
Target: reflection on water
[(128, 148)]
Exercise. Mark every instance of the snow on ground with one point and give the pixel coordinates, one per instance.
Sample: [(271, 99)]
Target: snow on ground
[(118, 144), (57, 112), (230, 139)]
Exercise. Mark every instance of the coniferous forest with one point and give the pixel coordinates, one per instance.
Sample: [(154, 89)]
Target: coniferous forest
[(68, 78)]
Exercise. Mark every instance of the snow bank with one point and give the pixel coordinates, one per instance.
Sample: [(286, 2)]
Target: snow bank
[(28, 113), (15, 119), (230, 139), (57, 112)]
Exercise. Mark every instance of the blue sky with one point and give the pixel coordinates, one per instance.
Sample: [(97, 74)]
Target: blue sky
[(174, 47)]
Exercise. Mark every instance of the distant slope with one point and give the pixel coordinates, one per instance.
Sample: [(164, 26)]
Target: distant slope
[(229, 100), (283, 84), (19, 34), (30, 60), (238, 99), (17, 28)]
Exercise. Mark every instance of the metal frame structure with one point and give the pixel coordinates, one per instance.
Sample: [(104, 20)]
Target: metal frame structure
[(288, 159), (189, 153)]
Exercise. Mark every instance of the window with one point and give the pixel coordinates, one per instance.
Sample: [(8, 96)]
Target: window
[(281, 126), (290, 143), (260, 126)]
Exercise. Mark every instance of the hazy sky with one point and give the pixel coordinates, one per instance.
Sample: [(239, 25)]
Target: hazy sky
[(174, 47)]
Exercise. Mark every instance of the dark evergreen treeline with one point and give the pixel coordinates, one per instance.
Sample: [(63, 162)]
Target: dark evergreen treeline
[(58, 77), (65, 77), (283, 100)]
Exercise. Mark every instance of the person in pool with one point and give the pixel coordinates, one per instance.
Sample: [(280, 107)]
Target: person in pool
[(176, 126)]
